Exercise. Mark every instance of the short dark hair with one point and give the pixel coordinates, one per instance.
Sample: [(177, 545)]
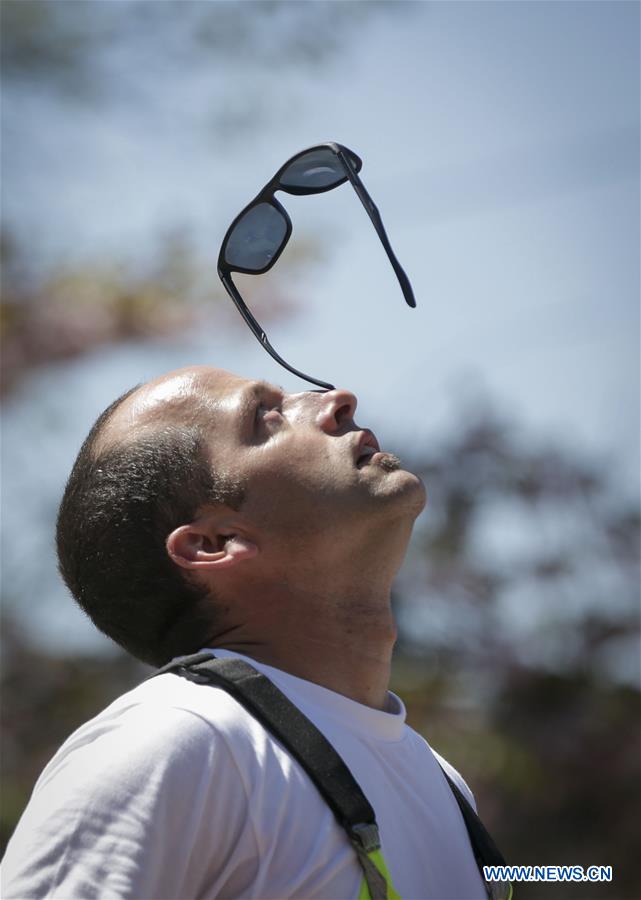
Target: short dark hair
[(119, 506)]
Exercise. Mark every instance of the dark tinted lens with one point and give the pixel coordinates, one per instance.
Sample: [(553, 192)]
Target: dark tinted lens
[(256, 238), (316, 169)]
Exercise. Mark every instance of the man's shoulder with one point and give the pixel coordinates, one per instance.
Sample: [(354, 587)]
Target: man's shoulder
[(126, 795), (169, 691), (202, 708), (166, 720), (456, 777)]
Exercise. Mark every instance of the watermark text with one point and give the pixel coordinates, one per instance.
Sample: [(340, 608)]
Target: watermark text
[(547, 873)]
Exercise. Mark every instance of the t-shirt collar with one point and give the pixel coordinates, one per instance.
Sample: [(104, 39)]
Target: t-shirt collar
[(386, 725)]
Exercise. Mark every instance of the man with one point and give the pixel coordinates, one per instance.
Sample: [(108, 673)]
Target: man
[(208, 511)]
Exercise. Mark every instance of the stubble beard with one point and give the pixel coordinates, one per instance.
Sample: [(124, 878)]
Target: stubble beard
[(390, 462)]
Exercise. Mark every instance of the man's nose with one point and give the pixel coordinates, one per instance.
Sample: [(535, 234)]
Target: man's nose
[(336, 408)]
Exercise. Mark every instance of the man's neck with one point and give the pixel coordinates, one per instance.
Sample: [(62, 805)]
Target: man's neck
[(319, 612), (344, 644)]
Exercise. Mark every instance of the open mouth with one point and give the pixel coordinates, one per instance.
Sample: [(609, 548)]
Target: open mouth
[(364, 458), (366, 448)]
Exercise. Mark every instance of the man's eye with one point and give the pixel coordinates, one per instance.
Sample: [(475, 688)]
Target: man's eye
[(267, 413)]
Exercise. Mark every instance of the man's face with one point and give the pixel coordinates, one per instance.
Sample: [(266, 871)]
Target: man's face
[(305, 464)]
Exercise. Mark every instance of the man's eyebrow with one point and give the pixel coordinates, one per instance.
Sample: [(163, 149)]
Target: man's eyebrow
[(264, 386)]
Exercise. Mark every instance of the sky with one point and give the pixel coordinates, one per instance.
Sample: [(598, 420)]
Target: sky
[(500, 142)]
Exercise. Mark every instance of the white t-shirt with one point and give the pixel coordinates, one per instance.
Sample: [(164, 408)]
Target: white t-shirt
[(174, 791)]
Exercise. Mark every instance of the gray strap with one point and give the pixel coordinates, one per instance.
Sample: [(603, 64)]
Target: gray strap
[(376, 883)]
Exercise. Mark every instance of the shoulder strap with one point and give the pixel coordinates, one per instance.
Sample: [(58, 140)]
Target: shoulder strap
[(485, 850), (328, 772), (307, 745)]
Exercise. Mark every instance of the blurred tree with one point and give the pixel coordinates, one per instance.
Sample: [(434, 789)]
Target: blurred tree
[(519, 647), (43, 699), (62, 46), (69, 311), (65, 313)]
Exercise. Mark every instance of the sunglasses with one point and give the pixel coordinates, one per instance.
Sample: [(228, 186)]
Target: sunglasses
[(259, 234)]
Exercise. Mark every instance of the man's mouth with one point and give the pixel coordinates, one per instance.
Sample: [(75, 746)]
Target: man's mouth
[(366, 447)]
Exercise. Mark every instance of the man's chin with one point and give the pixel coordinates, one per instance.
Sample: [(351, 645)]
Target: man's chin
[(390, 462), (417, 491), (403, 484)]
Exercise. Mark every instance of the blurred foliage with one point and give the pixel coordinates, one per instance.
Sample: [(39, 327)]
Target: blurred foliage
[(61, 46), (515, 524), (242, 56), (68, 311), (106, 54), (44, 699), (519, 659), (550, 744), (553, 760)]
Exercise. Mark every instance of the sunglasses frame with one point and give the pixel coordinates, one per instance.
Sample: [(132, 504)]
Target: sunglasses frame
[(352, 165)]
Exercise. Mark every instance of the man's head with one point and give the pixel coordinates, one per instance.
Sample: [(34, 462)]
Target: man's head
[(201, 486)]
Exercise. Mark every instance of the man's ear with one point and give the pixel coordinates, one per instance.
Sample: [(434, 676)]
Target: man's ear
[(210, 543)]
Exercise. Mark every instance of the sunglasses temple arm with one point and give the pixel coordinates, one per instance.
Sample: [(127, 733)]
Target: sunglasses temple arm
[(260, 335), (377, 222)]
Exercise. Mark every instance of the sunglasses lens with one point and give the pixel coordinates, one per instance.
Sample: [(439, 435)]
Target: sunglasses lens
[(256, 238), (316, 169)]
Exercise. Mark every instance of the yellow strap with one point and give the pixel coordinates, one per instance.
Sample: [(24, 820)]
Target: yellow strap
[(377, 858)]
